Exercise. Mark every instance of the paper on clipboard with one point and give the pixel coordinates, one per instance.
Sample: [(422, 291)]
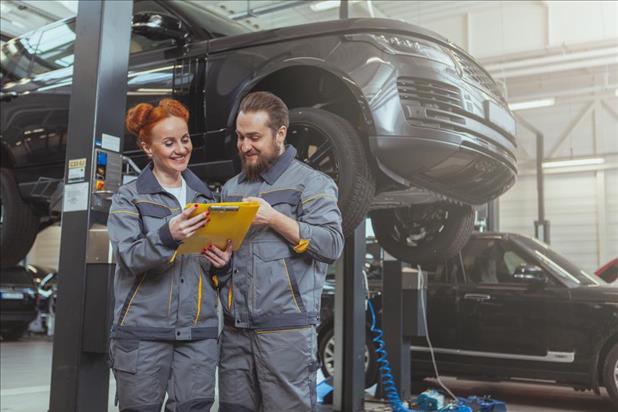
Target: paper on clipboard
[(229, 220)]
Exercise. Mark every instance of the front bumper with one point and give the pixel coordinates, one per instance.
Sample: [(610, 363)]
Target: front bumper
[(443, 131)]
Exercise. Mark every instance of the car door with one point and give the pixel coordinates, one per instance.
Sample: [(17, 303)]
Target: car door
[(442, 325), (502, 318)]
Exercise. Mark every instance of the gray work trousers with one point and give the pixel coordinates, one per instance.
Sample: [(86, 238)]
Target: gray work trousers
[(143, 368), (267, 370)]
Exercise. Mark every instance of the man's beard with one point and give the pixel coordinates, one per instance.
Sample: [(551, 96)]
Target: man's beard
[(265, 161)]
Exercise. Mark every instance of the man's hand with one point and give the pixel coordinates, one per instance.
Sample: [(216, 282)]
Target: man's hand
[(265, 214), (182, 226), (217, 257), (277, 221)]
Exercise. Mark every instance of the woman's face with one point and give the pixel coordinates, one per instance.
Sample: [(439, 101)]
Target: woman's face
[(170, 145)]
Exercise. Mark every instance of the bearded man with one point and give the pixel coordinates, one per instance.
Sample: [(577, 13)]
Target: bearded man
[(271, 301)]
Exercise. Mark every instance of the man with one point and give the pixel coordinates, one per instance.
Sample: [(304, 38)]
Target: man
[(272, 300)]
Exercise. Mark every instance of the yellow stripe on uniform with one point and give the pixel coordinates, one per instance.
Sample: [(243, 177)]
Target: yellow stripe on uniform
[(199, 299), (230, 297), (124, 212), (131, 301), (287, 273)]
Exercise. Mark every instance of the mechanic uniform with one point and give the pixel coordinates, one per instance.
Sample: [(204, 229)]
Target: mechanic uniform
[(165, 313), (271, 302)]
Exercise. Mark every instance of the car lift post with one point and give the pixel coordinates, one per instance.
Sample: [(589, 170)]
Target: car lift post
[(80, 374), (350, 293), (402, 318)]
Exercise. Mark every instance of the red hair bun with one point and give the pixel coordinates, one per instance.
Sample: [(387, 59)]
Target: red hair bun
[(142, 117)]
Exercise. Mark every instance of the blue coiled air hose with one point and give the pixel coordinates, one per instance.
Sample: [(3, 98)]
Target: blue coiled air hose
[(388, 381)]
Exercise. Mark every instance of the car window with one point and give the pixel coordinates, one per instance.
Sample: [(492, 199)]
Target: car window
[(17, 275), (444, 272), (492, 261), (16, 56), (55, 48), (215, 25), (559, 265)]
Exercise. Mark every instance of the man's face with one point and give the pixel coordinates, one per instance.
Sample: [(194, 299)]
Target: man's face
[(258, 146)]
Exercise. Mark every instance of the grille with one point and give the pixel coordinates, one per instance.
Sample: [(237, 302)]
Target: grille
[(473, 72), (430, 94), (442, 101)]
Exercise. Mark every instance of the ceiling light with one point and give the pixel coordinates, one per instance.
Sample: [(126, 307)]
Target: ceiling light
[(532, 104), (616, 92), (573, 162), (327, 5)]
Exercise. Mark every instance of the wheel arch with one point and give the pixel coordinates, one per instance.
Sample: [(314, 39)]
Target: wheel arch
[(599, 361), (314, 85)]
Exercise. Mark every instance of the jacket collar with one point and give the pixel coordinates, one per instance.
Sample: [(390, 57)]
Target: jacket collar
[(271, 175), (147, 183)]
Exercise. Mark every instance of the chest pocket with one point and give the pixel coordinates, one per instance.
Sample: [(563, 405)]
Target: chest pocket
[(286, 201), (153, 214)]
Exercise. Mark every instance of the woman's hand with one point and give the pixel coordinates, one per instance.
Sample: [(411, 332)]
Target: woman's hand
[(217, 257), (184, 226)]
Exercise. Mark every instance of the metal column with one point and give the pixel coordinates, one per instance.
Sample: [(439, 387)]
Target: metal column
[(80, 375), (398, 345), (541, 225), (350, 325)]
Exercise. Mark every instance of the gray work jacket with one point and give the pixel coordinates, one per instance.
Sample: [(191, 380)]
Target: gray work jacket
[(275, 284), (157, 297)]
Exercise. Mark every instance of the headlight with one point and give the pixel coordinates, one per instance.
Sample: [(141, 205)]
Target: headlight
[(406, 45)]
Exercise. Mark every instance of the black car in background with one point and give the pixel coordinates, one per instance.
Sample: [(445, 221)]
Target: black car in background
[(509, 308), (18, 301), (411, 128)]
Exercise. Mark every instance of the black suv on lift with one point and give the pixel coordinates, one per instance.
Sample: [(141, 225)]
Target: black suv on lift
[(411, 128)]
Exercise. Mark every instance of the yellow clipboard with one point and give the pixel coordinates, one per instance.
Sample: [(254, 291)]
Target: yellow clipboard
[(228, 220)]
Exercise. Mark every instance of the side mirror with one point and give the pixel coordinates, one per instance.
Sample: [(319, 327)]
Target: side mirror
[(530, 274), (158, 26)]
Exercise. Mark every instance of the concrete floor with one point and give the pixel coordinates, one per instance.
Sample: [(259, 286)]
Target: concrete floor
[(25, 375)]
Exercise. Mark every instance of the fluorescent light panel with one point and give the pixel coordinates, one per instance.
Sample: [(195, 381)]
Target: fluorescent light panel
[(327, 5), (532, 104), (573, 162)]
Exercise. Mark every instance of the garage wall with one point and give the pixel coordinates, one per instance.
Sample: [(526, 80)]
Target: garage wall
[(582, 208)]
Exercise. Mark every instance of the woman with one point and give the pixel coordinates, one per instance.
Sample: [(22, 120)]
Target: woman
[(165, 318)]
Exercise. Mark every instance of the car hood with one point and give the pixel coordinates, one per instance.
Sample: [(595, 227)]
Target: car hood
[(325, 28), (605, 293)]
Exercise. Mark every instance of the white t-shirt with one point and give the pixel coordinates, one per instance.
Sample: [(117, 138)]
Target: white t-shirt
[(179, 193)]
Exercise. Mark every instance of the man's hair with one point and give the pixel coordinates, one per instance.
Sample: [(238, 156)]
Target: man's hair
[(275, 108)]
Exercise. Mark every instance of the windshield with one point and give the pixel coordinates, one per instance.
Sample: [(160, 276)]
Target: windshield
[(562, 267)]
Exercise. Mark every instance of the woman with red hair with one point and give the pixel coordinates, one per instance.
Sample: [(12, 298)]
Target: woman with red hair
[(165, 316)]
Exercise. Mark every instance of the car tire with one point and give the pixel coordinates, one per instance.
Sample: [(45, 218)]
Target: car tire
[(15, 333), (423, 233), (19, 223), (326, 351), (330, 144), (610, 374)]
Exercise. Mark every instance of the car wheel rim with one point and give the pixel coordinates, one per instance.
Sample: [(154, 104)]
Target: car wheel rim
[(413, 226), (328, 357), (315, 149)]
